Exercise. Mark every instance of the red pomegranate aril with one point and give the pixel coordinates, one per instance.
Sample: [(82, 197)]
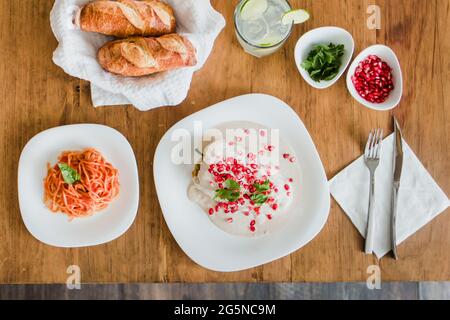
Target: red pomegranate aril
[(229, 220), (274, 206), (286, 187), (286, 155), (252, 223), (371, 78), (252, 228), (211, 211)]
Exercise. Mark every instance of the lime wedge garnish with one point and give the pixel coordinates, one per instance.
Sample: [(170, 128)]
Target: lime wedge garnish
[(295, 16), (253, 8)]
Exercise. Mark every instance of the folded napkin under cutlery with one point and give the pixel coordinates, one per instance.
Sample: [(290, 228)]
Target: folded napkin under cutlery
[(77, 55), (420, 199)]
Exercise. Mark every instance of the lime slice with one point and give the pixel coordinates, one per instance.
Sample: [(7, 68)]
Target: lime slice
[(295, 16), (253, 8), (269, 41)]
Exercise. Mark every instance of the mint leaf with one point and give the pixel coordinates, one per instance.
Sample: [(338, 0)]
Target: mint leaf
[(69, 174), (259, 198)]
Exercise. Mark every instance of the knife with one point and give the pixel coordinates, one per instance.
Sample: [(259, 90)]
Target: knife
[(397, 165)]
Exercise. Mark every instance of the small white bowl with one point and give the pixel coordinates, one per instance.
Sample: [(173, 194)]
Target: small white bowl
[(386, 54), (324, 35)]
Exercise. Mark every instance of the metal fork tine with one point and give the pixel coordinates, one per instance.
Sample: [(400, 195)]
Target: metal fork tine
[(372, 145), (366, 151), (380, 141), (376, 146)]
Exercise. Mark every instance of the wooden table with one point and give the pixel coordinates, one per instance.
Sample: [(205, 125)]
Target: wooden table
[(37, 95)]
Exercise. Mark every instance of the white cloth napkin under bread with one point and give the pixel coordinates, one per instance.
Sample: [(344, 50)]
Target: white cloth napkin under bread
[(419, 201), (77, 51)]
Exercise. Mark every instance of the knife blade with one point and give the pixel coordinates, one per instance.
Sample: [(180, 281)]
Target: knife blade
[(398, 166)]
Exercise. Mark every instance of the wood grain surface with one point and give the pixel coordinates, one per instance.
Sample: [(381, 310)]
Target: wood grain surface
[(37, 95)]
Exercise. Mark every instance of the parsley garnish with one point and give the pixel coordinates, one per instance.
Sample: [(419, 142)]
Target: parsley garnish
[(231, 192), (324, 61), (259, 198)]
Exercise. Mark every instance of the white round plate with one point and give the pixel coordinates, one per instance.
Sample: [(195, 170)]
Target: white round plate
[(197, 236), (323, 35), (55, 228), (388, 55)]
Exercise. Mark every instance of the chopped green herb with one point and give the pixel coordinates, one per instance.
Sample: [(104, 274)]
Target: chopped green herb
[(262, 187), (231, 184), (69, 174), (259, 198), (231, 192), (324, 61)]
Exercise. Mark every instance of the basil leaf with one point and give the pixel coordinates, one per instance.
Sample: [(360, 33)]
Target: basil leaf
[(69, 174), (259, 198)]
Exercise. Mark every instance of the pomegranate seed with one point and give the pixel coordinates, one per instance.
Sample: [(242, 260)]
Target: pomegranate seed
[(252, 229), (288, 193), (262, 133), (252, 223), (211, 211), (256, 209), (286, 155), (291, 180), (373, 79), (274, 206), (292, 159), (229, 220), (269, 216), (269, 147), (238, 139), (246, 213), (246, 131), (286, 187)]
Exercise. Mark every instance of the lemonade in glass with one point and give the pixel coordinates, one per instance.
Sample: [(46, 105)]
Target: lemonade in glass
[(259, 25)]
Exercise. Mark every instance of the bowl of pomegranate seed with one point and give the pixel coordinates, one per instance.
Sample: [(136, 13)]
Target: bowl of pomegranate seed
[(374, 79)]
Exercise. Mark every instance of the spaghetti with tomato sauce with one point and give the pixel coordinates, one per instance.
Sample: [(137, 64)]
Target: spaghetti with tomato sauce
[(93, 185)]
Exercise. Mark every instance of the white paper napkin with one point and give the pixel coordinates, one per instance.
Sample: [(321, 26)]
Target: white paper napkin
[(419, 201), (77, 51)]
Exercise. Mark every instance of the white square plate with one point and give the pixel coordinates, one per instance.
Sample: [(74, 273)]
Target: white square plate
[(197, 236), (55, 228)]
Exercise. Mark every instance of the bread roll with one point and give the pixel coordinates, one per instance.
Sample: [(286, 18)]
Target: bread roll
[(125, 18), (141, 56)]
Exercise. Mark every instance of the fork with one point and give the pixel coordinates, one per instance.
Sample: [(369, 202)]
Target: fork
[(372, 159)]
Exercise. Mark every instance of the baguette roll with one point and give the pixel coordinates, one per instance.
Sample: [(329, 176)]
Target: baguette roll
[(125, 18), (141, 56)]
